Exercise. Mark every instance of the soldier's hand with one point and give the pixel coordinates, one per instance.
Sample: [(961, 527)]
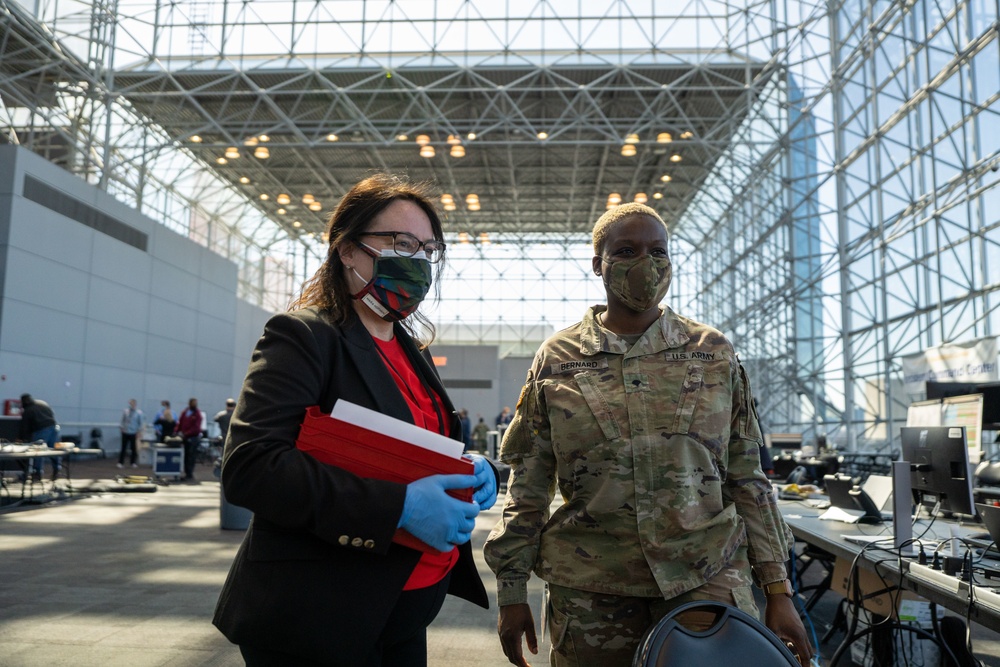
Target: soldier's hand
[(516, 620)]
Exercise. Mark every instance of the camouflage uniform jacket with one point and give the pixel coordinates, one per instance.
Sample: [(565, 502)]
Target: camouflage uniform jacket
[(655, 448)]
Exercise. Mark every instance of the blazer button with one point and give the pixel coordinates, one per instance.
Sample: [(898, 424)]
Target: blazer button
[(369, 544), (344, 539), (356, 542)]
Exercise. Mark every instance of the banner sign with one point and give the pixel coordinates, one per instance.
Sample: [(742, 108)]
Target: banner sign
[(975, 361)]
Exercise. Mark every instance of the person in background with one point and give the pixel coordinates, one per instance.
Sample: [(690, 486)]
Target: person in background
[(38, 422), (318, 579), (164, 405), (643, 419), (479, 435), (463, 418), (223, 417), (165, 422), (505, 416), (131, 427), (190, 426)]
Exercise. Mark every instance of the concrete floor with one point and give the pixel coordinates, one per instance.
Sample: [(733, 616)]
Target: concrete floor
[(131, 579)]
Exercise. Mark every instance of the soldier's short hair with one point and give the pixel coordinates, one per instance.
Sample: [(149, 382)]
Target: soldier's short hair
[(617, 214)]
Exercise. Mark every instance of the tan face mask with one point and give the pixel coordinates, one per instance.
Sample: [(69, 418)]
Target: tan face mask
[(640, 283)]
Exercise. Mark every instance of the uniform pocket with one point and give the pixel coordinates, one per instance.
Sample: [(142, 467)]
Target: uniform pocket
[(598, 406), (688, 400)]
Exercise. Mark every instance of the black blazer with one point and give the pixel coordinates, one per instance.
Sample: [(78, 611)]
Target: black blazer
[(317, 574)]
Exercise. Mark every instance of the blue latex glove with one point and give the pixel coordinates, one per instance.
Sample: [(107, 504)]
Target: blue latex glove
[(485, 490), (434, 517)]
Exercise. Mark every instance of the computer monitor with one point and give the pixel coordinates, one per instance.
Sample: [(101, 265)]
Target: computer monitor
[(939, 467)]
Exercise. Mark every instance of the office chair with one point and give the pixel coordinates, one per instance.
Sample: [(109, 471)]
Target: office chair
[(735, 635)]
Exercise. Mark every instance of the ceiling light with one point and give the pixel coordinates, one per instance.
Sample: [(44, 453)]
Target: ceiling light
[(427, 151), (261, 153), (641, 198), (458, 151), (543, 135), (308, 198), (244, 180), (423, 140), (195, 139), (401, 137), (628, 150), (471, 198), (614, 198), (664, 138), (221, 160), (657, 195), (311, 235), (332, 137), (296, 224), (447, 199), (471, 136), (315, 206), (454, 139), (264, 196), (282, 211), (250, 141), (323, 235), (666, 178), (463, 237), (264, 138), (283, 199), (687, 134), (676, 157), (474, 206), (484, 238), (632, 139), (450, 207), (232, 152)]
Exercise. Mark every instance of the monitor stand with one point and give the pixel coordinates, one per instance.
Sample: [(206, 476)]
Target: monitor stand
[(902, 520)]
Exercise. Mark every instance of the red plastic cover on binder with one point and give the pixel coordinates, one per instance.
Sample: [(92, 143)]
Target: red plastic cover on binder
[(371, 454)]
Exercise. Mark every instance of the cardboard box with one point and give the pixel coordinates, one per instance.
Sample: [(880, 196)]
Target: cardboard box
[(887, 602)]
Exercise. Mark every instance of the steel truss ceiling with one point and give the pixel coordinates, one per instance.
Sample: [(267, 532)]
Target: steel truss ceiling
[(558, 184)]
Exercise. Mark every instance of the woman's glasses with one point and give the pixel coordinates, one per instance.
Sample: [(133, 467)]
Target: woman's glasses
[(407, 245)]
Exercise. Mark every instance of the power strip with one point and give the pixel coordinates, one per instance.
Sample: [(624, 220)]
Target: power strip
[(924, 573), (986, 597)]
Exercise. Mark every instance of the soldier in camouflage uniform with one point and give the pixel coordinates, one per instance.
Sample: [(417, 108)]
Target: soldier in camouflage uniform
[(644, 420)]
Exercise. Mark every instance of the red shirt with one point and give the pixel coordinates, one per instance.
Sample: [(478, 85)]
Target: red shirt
[(431, 568)]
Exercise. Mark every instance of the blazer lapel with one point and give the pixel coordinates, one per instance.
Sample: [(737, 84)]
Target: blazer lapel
[(373, 373)]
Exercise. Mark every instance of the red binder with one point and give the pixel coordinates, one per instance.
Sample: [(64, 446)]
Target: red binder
[(371, 454)]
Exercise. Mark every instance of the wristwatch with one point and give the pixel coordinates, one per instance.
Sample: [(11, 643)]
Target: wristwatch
[(783, 587)]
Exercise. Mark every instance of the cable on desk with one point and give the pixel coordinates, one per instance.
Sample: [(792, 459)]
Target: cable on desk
[(856, 600)]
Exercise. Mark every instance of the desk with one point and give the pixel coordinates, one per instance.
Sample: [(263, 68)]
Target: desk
[(826, 535), (26, 457)]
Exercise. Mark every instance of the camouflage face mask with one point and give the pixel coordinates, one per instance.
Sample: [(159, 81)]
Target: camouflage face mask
[(640, 283), (398, 284)]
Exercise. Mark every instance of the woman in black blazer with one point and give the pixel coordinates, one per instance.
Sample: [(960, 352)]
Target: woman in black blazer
[(318, 579)]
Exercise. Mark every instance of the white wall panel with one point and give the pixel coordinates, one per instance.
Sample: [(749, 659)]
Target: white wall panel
[(46, 282), (45, 233), (116, 303), (174, 284), (217, 301), (36, 329), (113, 345), (58, 382), (172, 320), (170, 357), (120, 262)]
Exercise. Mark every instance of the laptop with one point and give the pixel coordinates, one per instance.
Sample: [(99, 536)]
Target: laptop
[(867, 503)]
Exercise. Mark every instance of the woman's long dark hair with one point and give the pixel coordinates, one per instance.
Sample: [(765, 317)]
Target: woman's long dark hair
[(328, 289)]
